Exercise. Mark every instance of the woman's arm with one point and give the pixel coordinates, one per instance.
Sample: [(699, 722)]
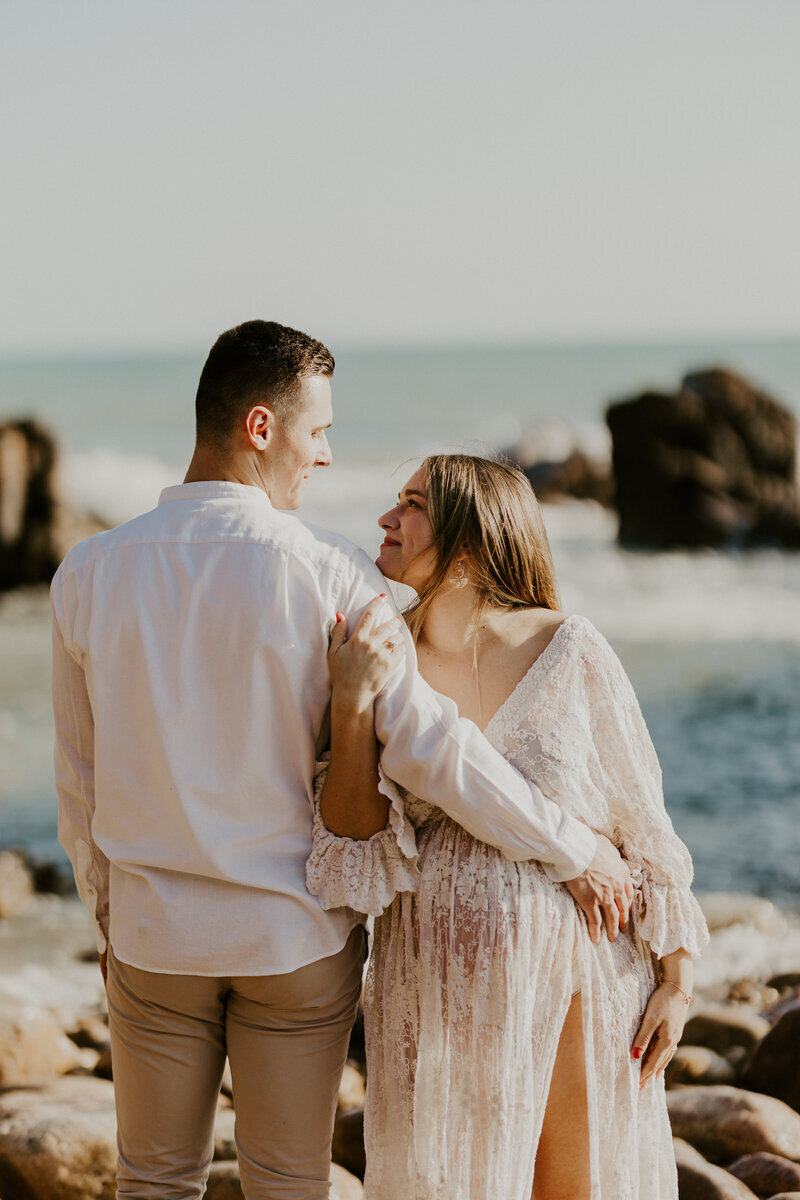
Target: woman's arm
[(350, 804), (665, 1015)]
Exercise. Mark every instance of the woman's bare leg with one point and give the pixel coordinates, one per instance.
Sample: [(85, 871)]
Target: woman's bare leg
[(562, 1157)]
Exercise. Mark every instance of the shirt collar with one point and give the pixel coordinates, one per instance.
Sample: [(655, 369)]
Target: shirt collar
[(214, 489)]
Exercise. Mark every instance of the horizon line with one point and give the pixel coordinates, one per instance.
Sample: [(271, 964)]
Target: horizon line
[(180, 350)]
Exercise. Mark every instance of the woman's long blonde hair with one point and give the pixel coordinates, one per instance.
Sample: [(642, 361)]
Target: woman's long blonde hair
[(487, 509)]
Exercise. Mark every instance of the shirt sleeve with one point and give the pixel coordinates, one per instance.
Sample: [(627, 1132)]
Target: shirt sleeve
[(74, 774), (667, 914), (444, 759), (362, 874)]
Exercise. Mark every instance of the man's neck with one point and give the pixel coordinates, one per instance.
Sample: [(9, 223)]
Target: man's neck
[(208, 464)]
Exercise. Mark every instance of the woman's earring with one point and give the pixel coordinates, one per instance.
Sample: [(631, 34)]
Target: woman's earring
[(459, 580)]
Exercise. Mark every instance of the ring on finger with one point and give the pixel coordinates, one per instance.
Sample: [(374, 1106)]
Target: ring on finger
[(391, 645)]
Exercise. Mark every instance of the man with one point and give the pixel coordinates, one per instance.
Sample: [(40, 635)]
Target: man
[(190, 688)]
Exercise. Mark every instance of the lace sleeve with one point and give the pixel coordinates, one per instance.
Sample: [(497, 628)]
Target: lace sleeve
[(364, 875), (667, 915)]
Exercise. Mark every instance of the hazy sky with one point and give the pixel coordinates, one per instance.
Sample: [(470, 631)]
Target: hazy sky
[(383, 172)]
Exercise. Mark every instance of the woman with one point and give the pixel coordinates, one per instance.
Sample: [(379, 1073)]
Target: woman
[(507, 1055)]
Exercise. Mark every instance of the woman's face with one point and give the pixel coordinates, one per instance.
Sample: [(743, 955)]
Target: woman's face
[(407, 554)]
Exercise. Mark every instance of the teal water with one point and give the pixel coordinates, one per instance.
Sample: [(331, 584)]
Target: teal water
[(711, 641)]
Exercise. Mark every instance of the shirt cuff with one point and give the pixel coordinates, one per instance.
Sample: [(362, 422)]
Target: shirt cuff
[(577, 849)]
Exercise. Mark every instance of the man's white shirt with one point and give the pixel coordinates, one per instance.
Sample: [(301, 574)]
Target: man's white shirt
[(190, 685)]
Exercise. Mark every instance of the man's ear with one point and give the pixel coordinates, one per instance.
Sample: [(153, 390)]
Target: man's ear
[(260, 426)]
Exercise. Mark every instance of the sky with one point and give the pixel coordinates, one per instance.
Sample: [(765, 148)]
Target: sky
[(384, 173)]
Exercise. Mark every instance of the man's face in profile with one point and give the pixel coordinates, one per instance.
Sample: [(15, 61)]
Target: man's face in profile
[(301, 445)]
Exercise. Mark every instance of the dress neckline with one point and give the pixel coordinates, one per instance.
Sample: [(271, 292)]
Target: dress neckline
[(540, 658)]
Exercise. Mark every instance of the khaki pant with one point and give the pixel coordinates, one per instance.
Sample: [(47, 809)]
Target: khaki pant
[(286, 1037)]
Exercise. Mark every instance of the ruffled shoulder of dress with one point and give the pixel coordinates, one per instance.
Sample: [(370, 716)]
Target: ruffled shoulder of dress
[(362, 874)]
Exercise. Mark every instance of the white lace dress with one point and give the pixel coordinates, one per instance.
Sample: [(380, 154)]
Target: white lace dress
[(475, 958)]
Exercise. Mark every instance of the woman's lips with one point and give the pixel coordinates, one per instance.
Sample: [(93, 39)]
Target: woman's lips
[(388, 542)]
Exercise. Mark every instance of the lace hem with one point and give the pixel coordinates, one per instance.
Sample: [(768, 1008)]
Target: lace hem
[(667, 917), (362, 874)]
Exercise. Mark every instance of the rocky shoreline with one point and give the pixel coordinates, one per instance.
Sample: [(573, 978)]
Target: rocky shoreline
[(734, 1084)]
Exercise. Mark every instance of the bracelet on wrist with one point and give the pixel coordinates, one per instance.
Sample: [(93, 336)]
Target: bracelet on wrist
[(687, 998)]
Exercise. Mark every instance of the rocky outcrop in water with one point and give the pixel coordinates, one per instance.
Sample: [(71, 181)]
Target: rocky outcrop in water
[(579, 477), (36, 527), (713, 464)]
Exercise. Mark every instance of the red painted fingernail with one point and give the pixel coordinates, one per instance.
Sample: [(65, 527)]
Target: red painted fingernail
[(382, 596), (637, 1053), (339, 617)]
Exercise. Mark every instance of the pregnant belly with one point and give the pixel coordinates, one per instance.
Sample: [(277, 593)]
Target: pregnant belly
[(479, 906)]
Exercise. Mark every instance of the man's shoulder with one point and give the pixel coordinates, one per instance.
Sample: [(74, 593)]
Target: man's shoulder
[(334, 548), (85, 552)]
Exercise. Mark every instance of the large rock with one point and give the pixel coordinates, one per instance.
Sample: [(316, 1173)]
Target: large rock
[(725, 909), (765, 1174), (348, 1141), (775, 1065), (724, 1123), (16, 883), (59, 1142), (722, 1026), (712, 464), (352, 1089), (36, 527), (33, 1047), (701, 1180), (697, 1065), (579, 476), (224, 1183), (345, 1186), (225, 1134)]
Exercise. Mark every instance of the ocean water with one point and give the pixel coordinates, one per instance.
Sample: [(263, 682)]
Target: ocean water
[(711, 641)]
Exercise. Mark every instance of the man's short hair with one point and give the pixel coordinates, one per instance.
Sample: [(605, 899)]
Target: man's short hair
[(259, 362)]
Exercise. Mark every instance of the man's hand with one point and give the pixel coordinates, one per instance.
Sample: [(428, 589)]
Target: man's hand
[(103, 965), (604, 891)]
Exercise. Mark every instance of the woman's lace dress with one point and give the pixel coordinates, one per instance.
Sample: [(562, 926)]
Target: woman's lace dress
[(475, 958)]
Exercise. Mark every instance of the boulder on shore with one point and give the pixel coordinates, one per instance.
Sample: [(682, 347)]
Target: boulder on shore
[(698, 1065), (775, 1065), (16, 883), (348, 1141), (59, 1142), (36, 527), (724, 1122), (722, 1026), (713, 464), (33, 1047), (701, 1180), (766, 1173)]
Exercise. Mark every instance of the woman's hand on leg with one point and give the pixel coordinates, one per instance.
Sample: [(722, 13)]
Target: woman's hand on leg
[(660, 1031)]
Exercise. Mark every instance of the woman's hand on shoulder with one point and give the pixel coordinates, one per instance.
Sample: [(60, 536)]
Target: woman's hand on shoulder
[(661, 1030), (361, 664)]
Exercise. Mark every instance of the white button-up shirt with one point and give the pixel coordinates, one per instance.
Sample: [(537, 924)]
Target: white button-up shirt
[(190, 685)]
